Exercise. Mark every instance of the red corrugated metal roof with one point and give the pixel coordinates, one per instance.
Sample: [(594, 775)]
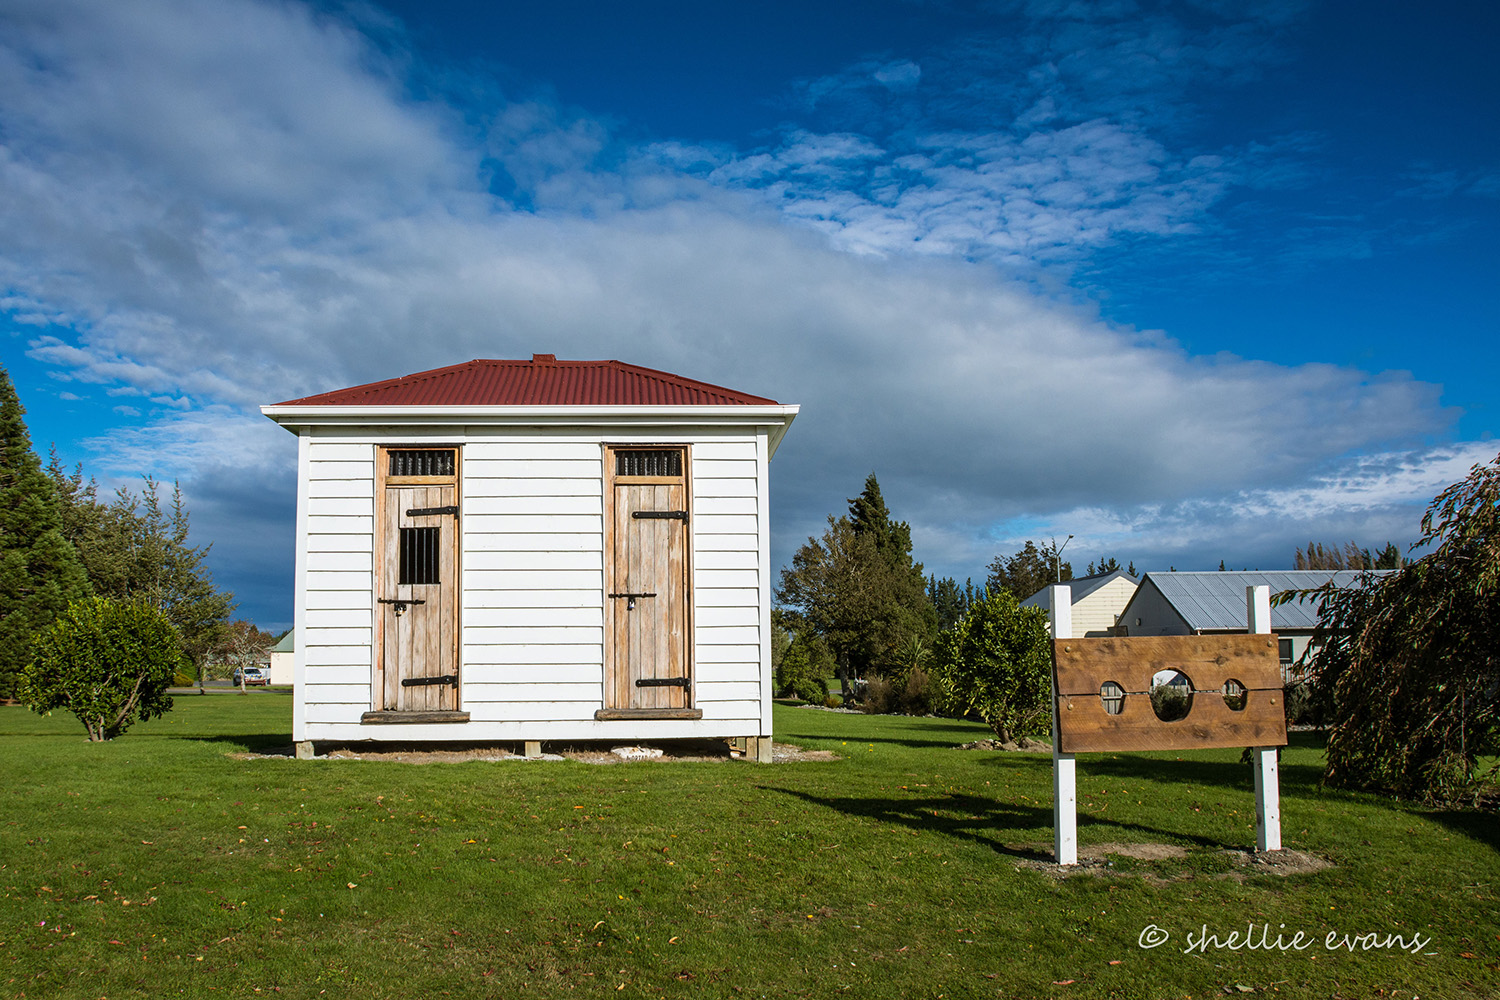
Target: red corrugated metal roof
[(542, 381)]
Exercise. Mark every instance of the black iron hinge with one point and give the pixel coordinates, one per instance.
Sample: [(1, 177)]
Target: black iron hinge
[(659, 515), (409, 682)]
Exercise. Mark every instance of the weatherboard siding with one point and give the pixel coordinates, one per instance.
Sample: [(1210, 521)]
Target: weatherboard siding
[(1094, 615), (728, 522), (532, 582), (533, 556), (334, 641), (533, 576)]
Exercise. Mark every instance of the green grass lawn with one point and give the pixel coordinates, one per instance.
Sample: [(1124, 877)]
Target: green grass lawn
[(159, 864)]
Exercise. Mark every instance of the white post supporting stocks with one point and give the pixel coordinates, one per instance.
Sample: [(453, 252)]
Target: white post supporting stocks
[(1064, 767), (1267, 779)]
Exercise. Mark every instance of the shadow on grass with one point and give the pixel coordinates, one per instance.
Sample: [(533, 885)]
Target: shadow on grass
[(984, 821), (1163, 768), (266, 743), (1482, 827), (913, 742), (1223, 774)]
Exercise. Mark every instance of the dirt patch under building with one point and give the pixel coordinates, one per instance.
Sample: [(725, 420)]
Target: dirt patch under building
[(703, 751)]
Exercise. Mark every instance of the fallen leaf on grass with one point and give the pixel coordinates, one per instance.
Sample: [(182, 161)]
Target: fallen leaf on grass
[(1114, 961), (1063, 982)]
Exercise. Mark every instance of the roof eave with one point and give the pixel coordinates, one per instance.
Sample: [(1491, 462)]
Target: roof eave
[(776, 417)]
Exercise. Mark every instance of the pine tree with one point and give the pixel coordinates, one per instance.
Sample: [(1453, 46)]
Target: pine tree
[(948, 601), (1028, 571), (869, 516), (39, 570), (1105, 566), (910, 609)]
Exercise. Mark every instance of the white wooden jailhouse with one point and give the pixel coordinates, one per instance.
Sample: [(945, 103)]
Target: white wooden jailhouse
[(533, 550)]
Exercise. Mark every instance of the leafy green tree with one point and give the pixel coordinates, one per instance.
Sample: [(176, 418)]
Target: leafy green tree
[(242, 644), (108, 662), (997, 663), (1026, 572), (137, 547), (857, 588), (838, 588), (800, 663), (39, 568), (1409, 663)]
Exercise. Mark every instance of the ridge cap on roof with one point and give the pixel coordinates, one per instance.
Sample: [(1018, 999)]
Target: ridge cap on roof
[(347, 394)]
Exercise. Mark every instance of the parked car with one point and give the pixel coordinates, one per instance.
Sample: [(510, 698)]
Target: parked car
[(252, 676)]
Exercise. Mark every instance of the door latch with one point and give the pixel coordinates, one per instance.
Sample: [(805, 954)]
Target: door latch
[(401, 603), (630, 599), (659, 515)]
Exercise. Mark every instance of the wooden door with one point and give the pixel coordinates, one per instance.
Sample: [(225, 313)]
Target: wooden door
[(418, 597), (647, 662)]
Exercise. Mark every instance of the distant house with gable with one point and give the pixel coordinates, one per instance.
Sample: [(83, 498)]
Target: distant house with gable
[(282, 655), (1098, 601), (1205, 603)]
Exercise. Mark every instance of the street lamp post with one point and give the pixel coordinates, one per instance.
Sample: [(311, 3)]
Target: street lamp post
[(1057, 554)]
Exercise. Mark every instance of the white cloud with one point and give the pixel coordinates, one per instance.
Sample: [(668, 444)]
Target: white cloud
[(236, 204)]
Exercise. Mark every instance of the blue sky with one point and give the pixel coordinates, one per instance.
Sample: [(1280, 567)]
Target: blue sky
[(1189, 281)]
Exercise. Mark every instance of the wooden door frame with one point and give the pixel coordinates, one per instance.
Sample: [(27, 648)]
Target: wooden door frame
[(689, 664), (383, 484)]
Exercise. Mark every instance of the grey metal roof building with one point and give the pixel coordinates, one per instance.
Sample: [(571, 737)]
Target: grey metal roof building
[(1188, 603)]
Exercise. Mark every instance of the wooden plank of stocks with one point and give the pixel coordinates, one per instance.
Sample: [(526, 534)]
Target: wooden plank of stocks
[(1081, 666)]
